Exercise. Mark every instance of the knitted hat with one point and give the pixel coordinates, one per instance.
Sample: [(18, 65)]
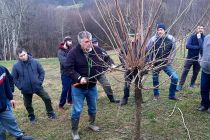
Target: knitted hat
[(67, 38), (161, 25), (94, 40)]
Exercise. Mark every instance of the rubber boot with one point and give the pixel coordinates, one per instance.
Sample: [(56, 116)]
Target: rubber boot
[(112, 99), (74, 129), (92, 125)]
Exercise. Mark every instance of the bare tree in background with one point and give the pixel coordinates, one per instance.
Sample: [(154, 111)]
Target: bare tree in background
[(11, 19)]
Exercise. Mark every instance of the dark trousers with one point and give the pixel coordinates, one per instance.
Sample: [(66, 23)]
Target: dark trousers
[(128, 78), (66, 90), (205, 89), (187, 66), (105, 84), (27, 98)]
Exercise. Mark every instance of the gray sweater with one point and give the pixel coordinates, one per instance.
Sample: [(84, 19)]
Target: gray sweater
[(205, 59)]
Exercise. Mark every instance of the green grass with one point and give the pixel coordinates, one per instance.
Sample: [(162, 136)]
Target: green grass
[(117, 123)]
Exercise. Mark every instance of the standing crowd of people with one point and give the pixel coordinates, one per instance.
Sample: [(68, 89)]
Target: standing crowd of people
[(85, 64)]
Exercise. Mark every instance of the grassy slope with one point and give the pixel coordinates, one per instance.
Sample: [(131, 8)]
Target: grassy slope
[(116, 122)]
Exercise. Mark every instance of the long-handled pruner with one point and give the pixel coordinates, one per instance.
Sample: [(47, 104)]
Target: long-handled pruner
[(77, 84)]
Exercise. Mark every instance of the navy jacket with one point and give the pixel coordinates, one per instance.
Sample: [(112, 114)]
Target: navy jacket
[(81, 64), (6, 84), (62, 56), (194, 46), (28, 76)]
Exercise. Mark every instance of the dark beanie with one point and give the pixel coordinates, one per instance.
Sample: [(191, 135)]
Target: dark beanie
[(67, 38), (161, 25), (94, 40)]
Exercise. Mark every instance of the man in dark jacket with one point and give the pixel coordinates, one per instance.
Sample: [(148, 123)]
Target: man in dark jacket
[(128, 75), (108, 62), (28, 76), (161, 50), (83, 63), (205, 76), (194, 46), (63, 50), (7, 119)]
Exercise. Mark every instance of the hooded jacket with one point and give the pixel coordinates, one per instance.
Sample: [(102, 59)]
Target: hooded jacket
[(6, 86), (62, 56), (205, 59), (28, 75)]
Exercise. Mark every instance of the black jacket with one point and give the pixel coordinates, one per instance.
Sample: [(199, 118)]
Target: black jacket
[(6, 84), (28, 76), (81, 64)]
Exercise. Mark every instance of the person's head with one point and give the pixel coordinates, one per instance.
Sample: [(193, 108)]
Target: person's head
[(67, 41), (200, 29), (85, 40), (161, 29), (22, 54), (95, 42), (133, 36)]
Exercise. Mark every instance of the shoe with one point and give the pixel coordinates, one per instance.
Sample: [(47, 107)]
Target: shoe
[(112, 99), (25, 138), (208, 111), (174, 98), (123, 101), (61, 108), (92, 125), (202, 108), (156, 97), (32, 119), (179, 88), (115, 101), (94, 128), (52, 115), (192, 85), (69, 103)]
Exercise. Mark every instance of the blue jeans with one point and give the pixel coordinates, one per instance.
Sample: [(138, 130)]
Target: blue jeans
[(78, 96), (205, 89), (8, 122), (169, 70), (66, 90)]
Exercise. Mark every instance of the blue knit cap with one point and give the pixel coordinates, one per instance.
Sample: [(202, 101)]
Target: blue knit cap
[(161, 25), (94, 40)]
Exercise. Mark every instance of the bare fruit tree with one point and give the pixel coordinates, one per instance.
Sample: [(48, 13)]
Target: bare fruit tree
[(140, 16)]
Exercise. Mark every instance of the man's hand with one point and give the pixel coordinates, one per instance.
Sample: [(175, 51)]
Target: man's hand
[(13, 103), (83, 80), (113, 66), (198, 35)]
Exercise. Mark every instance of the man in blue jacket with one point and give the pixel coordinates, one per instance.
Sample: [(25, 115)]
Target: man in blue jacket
[(194, 46), (28, 77), (7, 119)]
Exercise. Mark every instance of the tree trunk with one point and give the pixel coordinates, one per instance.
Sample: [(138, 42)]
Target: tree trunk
[(138, 101)]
